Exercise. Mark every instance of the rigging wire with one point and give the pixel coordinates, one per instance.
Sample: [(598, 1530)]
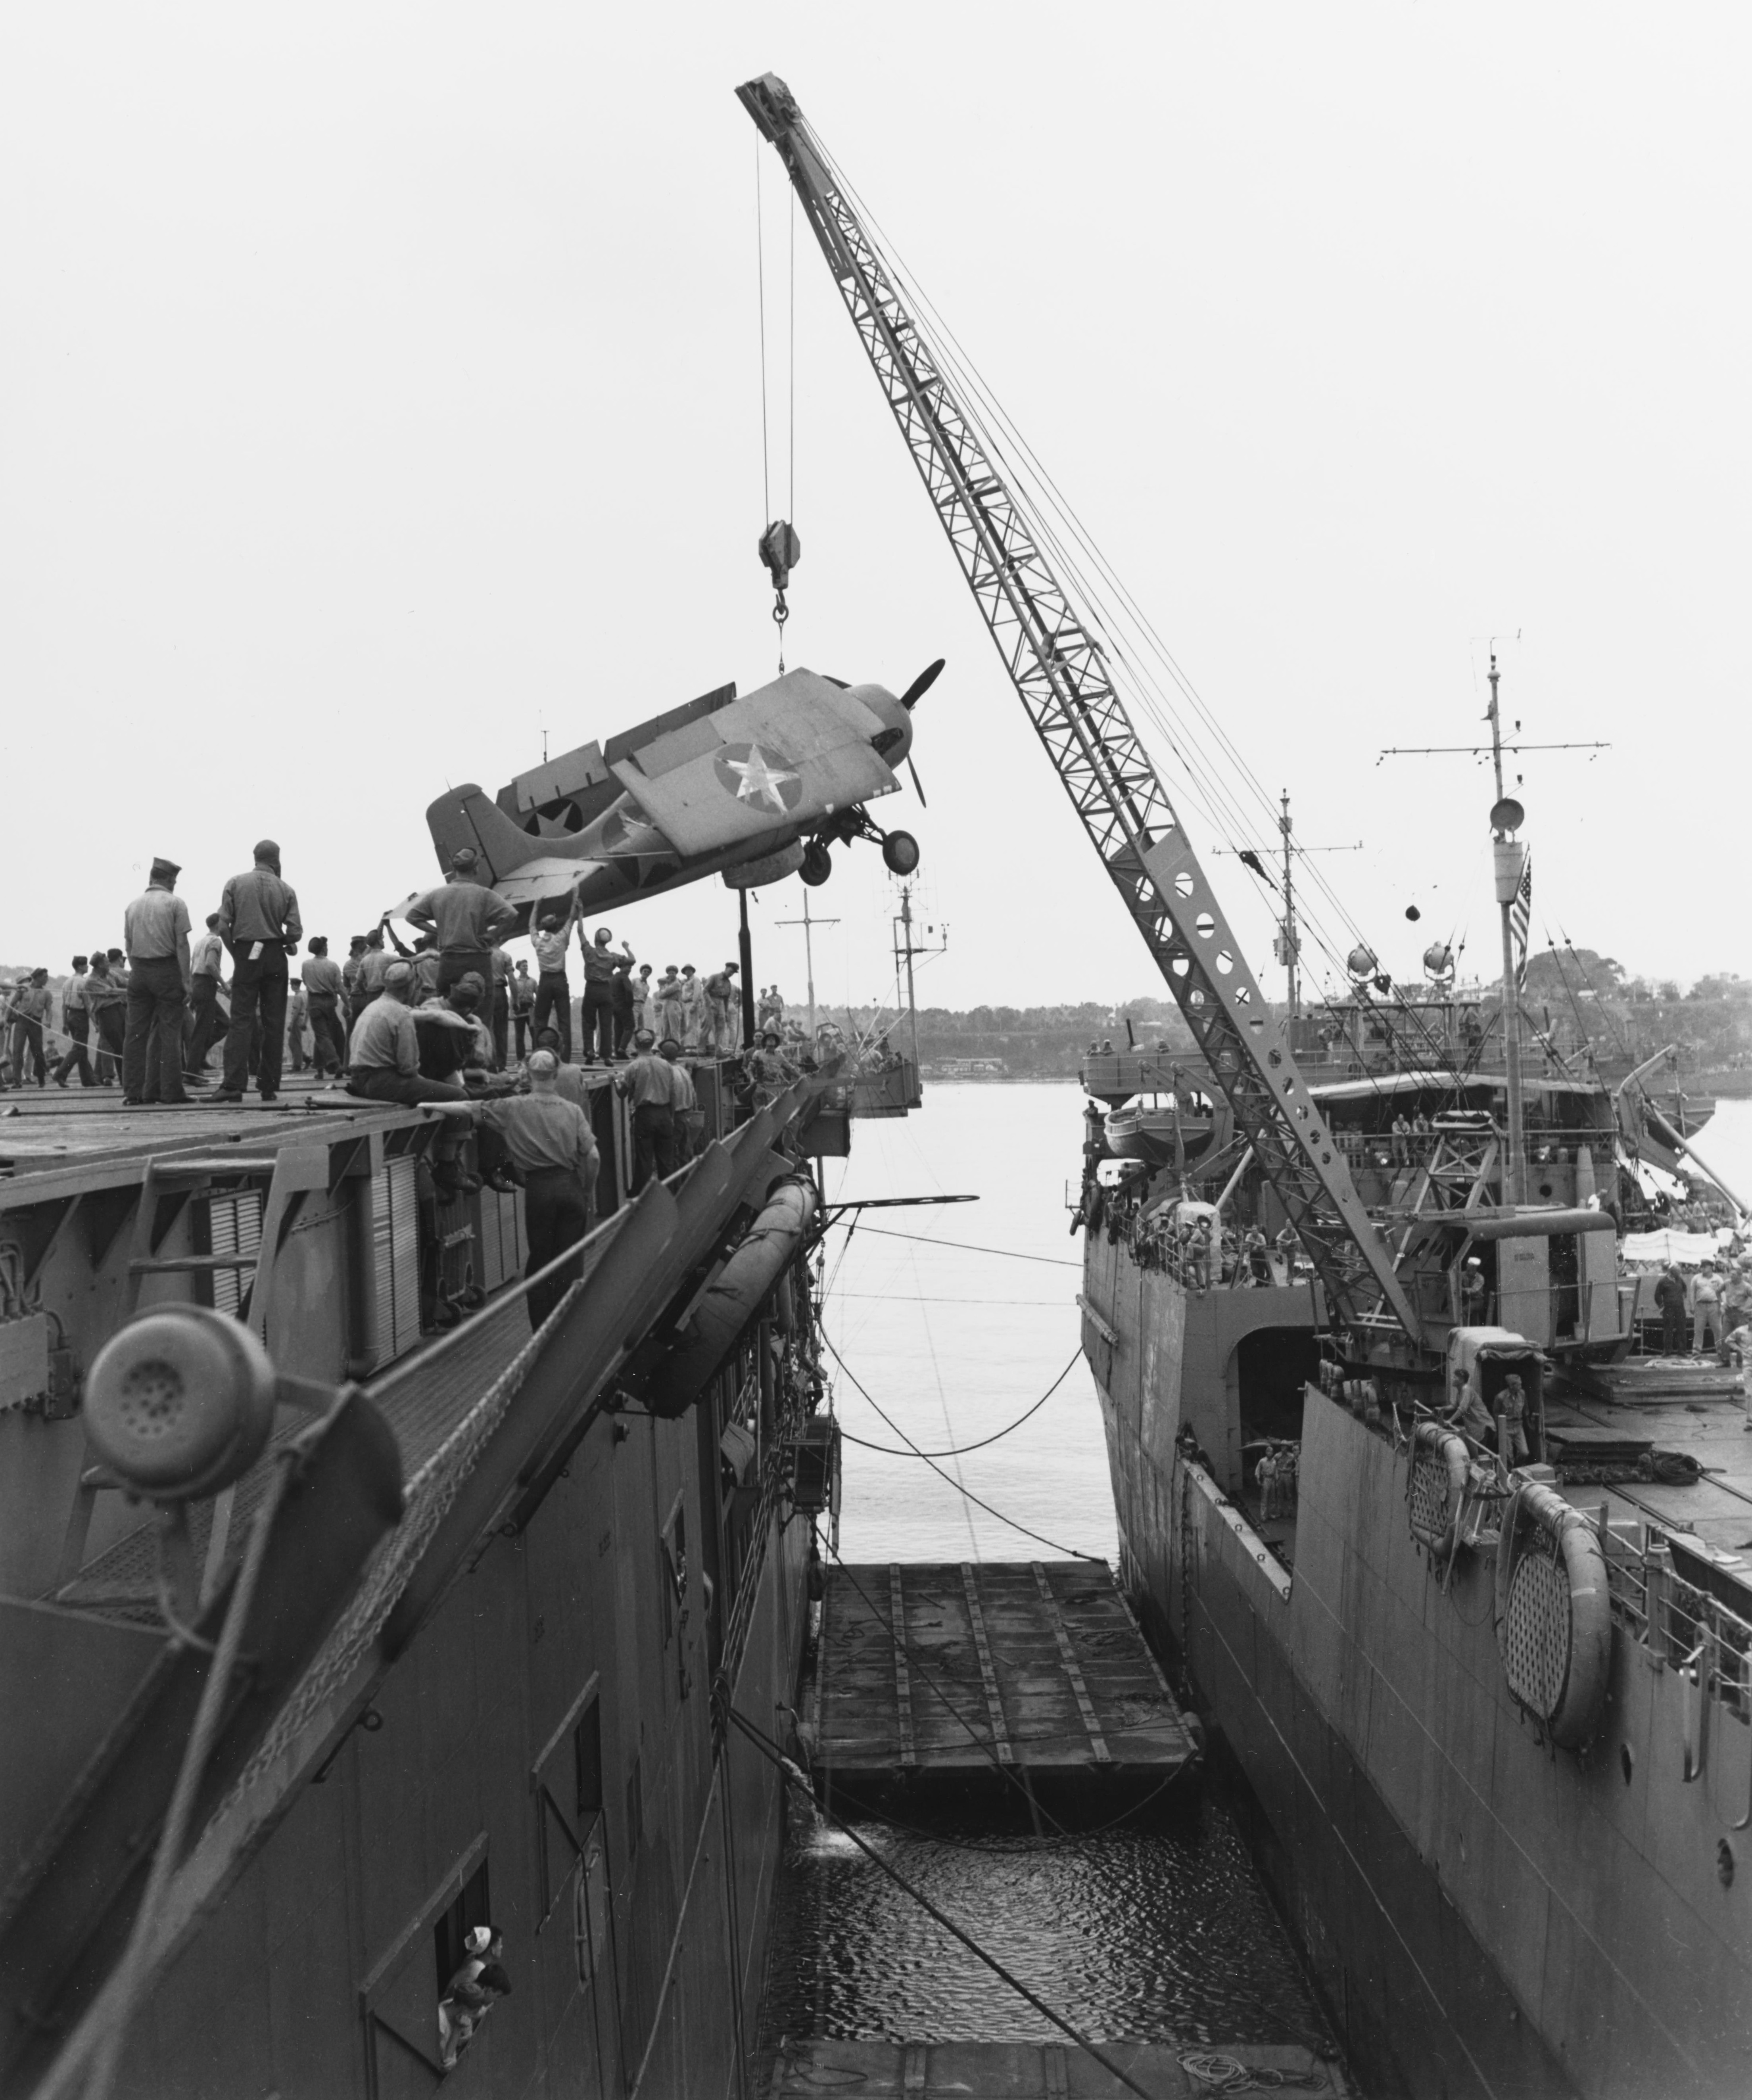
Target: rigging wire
[(956, 1451), (760, 266), (969, 1246), (1070, 1552), (1043, 506)]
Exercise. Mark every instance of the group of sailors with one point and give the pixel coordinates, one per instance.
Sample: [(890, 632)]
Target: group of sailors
[(1191, 1241), (420, 1019)]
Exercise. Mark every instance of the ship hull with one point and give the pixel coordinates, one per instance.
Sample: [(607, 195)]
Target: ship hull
[(1484, 1915)]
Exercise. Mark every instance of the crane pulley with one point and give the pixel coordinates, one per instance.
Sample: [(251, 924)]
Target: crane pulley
[(1060, 675)]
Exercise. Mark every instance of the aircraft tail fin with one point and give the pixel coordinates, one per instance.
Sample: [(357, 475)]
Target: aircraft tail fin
[(466, 816)]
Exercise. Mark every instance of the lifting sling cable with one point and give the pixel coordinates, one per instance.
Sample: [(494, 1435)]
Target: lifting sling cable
[(1060, 674)]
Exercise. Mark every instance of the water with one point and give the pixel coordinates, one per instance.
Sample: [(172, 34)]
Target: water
[(1158, 1930)]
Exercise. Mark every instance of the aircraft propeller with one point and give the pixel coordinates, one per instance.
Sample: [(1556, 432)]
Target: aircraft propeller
[(915, 693), (921, 685)]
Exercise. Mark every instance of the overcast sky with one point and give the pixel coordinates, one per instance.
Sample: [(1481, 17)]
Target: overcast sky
[(380, 387)]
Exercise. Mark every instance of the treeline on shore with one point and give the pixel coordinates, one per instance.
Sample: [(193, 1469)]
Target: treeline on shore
[(1578, 993)]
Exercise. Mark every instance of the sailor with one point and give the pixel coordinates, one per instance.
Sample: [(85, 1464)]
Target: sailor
[(75, 1019), (355, 951), (107, 1002), (1420, 1131), (452, 1038), (667, 1000), (1706, 1309), (1511, 1416), (643, 1015), (32, 1003), (1267, 1473), (157, 927), (600, 963), (684, 1100), (297, 1013), (693, 1010), (1737, 1306), (551, 1146), (1469, 1414), (322, 987), (1402, 1139), (1201, 1254), (206, 964), (465, 918), (374, 966), (714, 1035), (521, 989), (466, 2000), (259, 923), (1669, 1301), (551, 940), (569, 1085), (647, 1084), (501, 1008), (621, 991), (383, 1058), (1473, 1292)]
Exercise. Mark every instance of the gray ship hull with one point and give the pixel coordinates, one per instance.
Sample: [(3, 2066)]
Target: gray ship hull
[(1485, 1915)]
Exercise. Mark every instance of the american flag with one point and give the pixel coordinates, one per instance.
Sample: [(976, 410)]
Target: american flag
[(1521, 914)]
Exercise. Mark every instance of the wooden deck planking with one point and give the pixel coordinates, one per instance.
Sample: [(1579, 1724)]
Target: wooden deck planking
[(1036, 1665)]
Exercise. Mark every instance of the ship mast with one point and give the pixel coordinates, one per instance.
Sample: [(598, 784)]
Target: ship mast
[(1506, 818)]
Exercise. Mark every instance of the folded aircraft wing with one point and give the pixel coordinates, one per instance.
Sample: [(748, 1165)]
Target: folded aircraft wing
[(795, 750)]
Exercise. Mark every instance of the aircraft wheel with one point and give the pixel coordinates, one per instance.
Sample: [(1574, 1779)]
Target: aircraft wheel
[(900, 852), (817, 864)]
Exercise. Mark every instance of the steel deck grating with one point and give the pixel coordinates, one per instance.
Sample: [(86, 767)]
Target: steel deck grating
[(1031, 1665)]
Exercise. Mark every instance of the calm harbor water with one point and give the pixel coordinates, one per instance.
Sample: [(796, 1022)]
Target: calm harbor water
[(953, 1321)]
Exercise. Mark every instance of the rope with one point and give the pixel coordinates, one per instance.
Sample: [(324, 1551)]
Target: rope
[(760, 265), (99, 2043), (956, 1450), (1070, 1552), (968, 1247), (794, 1777), (1228, 2074)]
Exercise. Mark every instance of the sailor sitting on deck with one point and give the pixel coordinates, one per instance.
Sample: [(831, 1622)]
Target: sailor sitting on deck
[(383, 1058)]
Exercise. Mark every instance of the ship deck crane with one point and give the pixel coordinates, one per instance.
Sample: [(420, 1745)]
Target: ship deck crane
[(1060, 674)]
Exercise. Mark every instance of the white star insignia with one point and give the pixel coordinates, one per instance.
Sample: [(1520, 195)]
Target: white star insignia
[(758, 780)]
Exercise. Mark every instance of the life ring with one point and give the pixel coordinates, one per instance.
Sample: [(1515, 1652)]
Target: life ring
[(1554, 1613), (1440, 1463)]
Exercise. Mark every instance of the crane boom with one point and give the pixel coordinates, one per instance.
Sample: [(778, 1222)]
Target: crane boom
[(1060, 675)]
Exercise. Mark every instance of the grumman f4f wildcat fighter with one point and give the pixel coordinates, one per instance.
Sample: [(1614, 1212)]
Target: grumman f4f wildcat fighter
[(755, 789)]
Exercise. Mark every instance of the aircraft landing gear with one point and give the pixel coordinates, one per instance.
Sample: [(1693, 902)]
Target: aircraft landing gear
[(900, 852), (816, 865)]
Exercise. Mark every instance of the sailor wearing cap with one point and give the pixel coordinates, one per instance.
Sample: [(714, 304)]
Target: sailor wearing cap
[(156, 930), (466, 918), (259, 923), (550, 1144), (383, 1057)]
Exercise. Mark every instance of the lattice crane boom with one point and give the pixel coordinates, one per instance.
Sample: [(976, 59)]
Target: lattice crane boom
[(1061, 677)]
